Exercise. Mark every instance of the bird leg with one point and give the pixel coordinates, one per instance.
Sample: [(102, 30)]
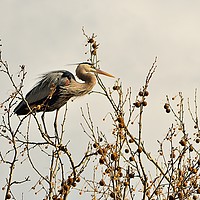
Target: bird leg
[(45, 134), (56, 125)]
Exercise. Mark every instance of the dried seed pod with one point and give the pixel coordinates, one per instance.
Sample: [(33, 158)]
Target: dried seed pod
[(140, 93), (94, 52), (126, 150), (95, 145), (120, 119), (197, 140), (78, 179), (116, 87), (104, 151), (180, 195), (191, 148), (166, 106), (112, 195), (185, 184), (74, 184), (131, 140), (171, 197), (139, 150), (183, 142), (146, 93), (126, 183), (131, 158), (168, 110), (114, 156), (195, 197), (131, 175), (195, 126), (102, 182), (100, 151), (91, 40), (172, 155), (8, 196), (137, 104), (121, 125), (190, 168), (94, 45), (156, 192), (102, 160), (70, 180), (108, 170), (144, 103), (194, 170)]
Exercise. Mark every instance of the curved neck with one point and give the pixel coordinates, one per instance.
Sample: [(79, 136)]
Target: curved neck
[(89, 81)]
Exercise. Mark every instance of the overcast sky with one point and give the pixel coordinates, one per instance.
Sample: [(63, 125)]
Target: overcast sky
[(46, 35)]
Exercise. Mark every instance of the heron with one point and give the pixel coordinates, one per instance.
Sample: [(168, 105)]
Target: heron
[(55, 88)]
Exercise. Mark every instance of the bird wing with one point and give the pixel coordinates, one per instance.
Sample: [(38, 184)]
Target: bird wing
[(48, 82)]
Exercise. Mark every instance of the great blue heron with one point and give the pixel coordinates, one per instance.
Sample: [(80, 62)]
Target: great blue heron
[(57, 87)]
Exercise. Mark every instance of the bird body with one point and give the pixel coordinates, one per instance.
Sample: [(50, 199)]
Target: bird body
[(56, 88)]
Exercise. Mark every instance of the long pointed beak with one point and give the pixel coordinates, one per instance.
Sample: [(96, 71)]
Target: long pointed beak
[(98, 71)]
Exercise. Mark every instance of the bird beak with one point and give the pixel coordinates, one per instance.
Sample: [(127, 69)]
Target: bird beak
[(98, 71)]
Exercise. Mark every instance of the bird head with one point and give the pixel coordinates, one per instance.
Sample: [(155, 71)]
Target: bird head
[(88, 67)]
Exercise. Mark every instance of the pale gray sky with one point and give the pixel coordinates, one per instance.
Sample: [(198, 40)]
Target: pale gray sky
[(46, 35)]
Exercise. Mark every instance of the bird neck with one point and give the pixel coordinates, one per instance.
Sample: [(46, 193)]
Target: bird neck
[(83, 75), (89, 81)]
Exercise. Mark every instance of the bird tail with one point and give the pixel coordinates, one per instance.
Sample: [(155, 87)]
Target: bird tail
[(21, 109)]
